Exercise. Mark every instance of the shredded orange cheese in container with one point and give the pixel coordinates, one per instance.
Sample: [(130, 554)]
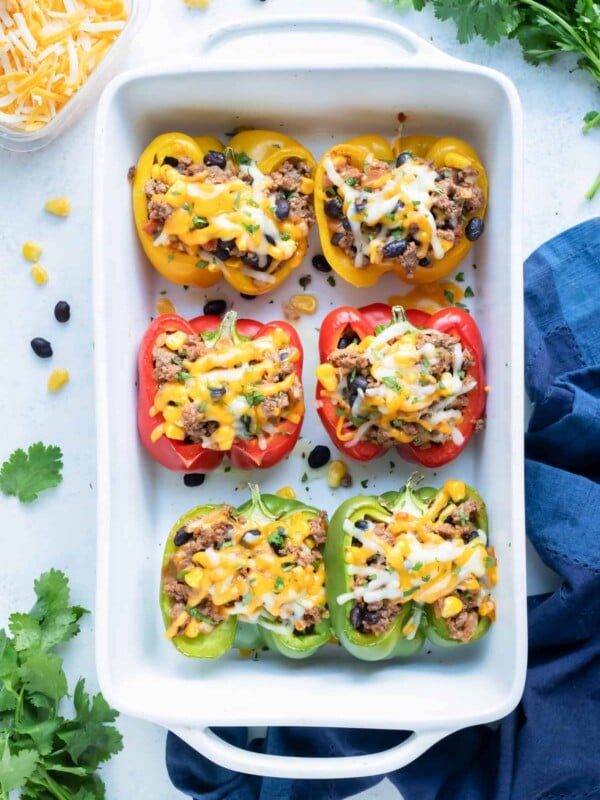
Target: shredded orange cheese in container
[(48, 49)]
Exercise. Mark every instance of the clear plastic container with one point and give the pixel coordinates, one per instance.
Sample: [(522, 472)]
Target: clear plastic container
[(12, 138)]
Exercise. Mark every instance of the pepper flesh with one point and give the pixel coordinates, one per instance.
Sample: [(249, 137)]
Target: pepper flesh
[(392, 643), (259, 510), (269, 150), (363, 322), (194, 457), (440, 152)]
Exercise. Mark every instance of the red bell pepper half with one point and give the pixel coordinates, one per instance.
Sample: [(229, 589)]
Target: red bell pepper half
[(194, 457), (363, 322)]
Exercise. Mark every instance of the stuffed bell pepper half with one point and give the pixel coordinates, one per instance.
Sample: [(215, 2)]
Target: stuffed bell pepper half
[(250, 576), (413, 208), (211, 387), (409, 380), (410, 564), (243, 211)]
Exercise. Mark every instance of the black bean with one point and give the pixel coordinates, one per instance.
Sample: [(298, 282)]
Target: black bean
[(282, 208), (217, 391), (216, 307), (248, 296), (251, 259), (194, 479), (182, 536), (346, 224), (360, 382), (474, 229), (337, 238), (266, 265), (467, 537), (346, 341), (62, 311), (424, 262), (334, 208), (320, 263), (403, 157), (371, 617), (361, 524), (319, 456), (394, 248), (360, 205), (247, 421), (221, 253), (269, 239), (41, 347), (356, 617), (251, 536), (356, 542), (215, 159), (171, 161)]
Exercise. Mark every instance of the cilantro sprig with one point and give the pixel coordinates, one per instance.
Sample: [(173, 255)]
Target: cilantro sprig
[(25, 475), (43, 754)]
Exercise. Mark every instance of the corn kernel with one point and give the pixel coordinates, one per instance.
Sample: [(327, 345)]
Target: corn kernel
[(194, 577), (174, 432), (326, 375), (192, 629), (197, 3), (157, 432), (456, 161), (304, 303), (165, 306), (446, 384), (451, 607), (60, 206), (487, 607), (307, 186), (456, 490), (40, 276), (31, 251), (336, 471), (175, 340), (57, 379), (286, 492), (470, 584)]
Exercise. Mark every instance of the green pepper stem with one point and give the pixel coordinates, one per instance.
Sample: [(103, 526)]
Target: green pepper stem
[(258, 512), (589, 195), (408, 497)]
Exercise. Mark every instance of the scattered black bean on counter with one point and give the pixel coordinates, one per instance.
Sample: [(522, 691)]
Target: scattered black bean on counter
[(319, 456), (215, 307), (474, 229), (62, 311), (320, 263), (41, 347), (248, 296), (194, 479)]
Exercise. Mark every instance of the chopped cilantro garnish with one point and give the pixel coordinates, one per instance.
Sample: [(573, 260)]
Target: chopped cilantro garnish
[(490, 562), (199, 222), (331, 280), (449, 295), (193, 612), (286, 236), (304, 477), (391, 383), (279, 584), (187, 207), (460, 276), (251, 227), (254, 397), (183, 376), (351, 181), (408, 592), (364, 483), (242, 158), (201, 264), (469, 292), (170, 257), (252, 202)]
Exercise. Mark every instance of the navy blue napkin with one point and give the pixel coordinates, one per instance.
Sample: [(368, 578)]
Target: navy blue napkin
[(549, 747)]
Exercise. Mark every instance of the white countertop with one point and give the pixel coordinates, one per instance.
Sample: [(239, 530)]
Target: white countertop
[(58, 530)]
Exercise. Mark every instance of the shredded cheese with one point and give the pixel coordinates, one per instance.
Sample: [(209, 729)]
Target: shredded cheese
[(48, 49)]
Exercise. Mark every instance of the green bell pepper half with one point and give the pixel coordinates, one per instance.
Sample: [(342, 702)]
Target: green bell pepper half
[(260, 509)]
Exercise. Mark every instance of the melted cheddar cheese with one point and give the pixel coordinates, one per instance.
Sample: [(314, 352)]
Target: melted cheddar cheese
[(389, 207), (416, 563), (401, 389), (241, 210), (231, 384), (48, 49), (271, 574)]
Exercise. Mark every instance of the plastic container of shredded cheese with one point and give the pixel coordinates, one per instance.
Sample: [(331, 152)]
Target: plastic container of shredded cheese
[(321, 80), (14, 134)]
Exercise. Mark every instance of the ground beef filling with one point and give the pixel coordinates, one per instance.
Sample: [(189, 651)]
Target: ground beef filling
[(457, 195), (289, 202), (169, 367), (219, 531), (355, 369), (377, 618)]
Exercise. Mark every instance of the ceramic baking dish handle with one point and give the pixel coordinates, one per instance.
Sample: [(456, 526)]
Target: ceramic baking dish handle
[(208, 744), (324, 39)]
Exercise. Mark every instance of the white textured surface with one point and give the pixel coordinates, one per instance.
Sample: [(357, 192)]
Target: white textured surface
[(58, 530)]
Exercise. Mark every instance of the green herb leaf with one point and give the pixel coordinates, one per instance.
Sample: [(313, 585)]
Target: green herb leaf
[(364, 483), (286, 236), (201, 264), (391, 383), (460, 276), (331, 280), (469, 292), (449, 295), (254, 397), (26, 475), (304, 477), (279, 584), (183, 376), (251, 227), (242, 158)]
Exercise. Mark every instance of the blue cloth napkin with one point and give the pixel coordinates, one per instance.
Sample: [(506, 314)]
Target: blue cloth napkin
[(549, 747)]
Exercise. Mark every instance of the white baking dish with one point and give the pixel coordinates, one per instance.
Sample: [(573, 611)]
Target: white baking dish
[(345, 90)]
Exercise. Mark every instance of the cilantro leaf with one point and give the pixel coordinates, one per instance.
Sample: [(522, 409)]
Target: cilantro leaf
[(591, 119), (25, 475), (15, 768)]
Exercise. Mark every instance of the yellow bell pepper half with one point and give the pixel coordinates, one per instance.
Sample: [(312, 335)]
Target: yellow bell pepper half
[(444, 153), (183, 247)]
